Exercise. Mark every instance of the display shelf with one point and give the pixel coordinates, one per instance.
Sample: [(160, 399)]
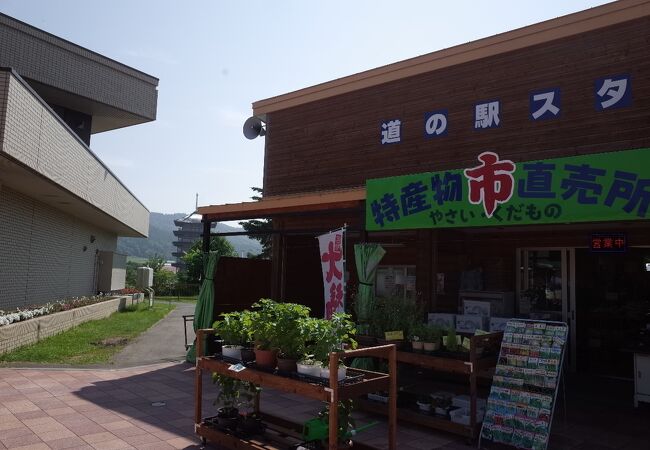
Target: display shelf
[(332, 394), (467, 369), (409, 416)]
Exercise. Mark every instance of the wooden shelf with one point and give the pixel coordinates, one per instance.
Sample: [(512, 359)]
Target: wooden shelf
[(332, 394), (410, 416), (469, 370)]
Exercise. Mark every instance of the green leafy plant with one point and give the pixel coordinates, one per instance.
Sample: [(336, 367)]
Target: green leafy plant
[(326, 336), (346, 421), (452, 341), (276, 326), (289, 337), (234, 328), (418, 332), (430, 333), (234, 393), (394, 314)]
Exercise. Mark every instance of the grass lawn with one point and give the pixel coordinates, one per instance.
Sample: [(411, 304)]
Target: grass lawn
[(83, 344), (173, 298)]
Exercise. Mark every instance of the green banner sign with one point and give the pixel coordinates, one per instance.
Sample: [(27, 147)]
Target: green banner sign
[(497, 192)]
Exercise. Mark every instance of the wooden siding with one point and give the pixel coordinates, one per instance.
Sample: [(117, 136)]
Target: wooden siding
[(335, 142), (240, 282)]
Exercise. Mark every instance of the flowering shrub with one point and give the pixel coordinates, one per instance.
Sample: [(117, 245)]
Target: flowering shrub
[(128, 291), (9, 317)]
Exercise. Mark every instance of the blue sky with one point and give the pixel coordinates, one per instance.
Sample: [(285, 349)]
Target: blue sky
[(214, 58)]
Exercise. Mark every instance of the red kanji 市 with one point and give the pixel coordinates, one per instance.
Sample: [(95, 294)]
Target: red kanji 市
[(491, 183)]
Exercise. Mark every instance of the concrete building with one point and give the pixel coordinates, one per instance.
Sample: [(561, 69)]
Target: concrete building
[(61, 207)]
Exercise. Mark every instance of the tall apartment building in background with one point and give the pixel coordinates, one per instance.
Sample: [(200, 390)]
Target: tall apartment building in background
[(61, 207)]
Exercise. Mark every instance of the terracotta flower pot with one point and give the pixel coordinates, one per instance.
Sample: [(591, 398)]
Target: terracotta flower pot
[(266, 358), (417, 345)]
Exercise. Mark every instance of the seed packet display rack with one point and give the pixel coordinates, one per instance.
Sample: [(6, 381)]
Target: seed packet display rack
[(467, 371), (525, 385), (332, 394)]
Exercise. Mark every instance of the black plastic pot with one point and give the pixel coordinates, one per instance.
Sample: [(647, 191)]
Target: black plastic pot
[(228, 419), (247, 354), (251, 424)]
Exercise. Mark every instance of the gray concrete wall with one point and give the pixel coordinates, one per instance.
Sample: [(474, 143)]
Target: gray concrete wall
[(48, 59), (32, 134), (42, 255)]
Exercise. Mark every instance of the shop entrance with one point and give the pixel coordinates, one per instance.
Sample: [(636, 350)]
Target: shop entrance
[(612, 298), (546, 289)]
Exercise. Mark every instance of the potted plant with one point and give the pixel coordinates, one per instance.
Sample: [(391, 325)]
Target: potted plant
[(451, 340), (290, 338), (264, 332), (248, 352), (431, 338), (393, 314), (250, 422), (417, 335), (234, 332), (332, 336), (232, 394), (311, 329)]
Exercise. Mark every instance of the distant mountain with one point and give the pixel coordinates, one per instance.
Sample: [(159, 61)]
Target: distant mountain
[(161, 236)]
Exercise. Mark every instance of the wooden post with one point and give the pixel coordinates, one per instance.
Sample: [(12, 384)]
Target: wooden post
[(434, 269), (198, 381), (276, 260), (333, 437), (473, 389), (392, 399), (283, 269), (364, 234), (207, 226)]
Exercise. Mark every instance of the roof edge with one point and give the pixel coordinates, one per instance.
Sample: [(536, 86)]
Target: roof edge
[(107, 61), (546, 31), (75, 136), (279, 203)]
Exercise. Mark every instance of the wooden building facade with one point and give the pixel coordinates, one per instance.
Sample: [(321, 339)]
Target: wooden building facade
[(324, 142)]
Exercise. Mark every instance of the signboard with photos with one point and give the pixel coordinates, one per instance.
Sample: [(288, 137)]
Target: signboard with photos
[(524, 388)]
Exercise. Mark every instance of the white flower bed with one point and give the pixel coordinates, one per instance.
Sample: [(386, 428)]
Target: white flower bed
[(24, 314), (9, 317)]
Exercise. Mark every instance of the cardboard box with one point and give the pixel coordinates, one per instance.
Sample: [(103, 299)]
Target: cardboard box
[(476, 307), (498, 323), (468, 323), (442, 320)]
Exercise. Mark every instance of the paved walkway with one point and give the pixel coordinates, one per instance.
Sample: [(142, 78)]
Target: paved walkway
[(114, 409), (164, 342)]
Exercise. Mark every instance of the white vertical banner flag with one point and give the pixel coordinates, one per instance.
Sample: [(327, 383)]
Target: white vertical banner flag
[(332, 257)]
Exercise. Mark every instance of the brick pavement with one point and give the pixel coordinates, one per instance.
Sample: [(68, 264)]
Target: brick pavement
[(112, 409)]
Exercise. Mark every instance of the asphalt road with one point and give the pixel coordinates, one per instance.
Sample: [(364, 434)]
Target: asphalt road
[(164, 342)]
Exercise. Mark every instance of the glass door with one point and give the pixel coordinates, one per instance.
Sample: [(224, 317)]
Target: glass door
[(546, 288)]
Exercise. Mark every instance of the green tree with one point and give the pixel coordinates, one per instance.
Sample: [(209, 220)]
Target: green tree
[(164, 282), (131, 273), (194, 257), (156, 263), (257, 226)]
